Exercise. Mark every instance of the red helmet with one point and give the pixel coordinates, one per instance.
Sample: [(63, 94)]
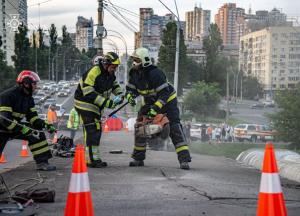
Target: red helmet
[(33, 77)]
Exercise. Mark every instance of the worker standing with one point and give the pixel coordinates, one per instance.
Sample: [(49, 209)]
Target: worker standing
[(160, 97), (52, 117), (73, 123), (92, 96)]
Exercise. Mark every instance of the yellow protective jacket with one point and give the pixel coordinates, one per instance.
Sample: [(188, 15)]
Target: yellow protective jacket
[(94, 90)]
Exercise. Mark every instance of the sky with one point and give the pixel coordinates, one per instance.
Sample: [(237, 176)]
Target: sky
[(66, 12)]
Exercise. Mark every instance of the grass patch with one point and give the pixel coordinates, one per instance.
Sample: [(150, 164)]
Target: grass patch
[(229, 150)]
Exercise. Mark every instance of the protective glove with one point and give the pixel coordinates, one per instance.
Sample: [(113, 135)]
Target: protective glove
[(118, 99), (26, 130), (130, 98), (110, 104), (50, 128), (152, 113)]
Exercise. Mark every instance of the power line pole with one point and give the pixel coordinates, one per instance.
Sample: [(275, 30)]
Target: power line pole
[(100, 28)]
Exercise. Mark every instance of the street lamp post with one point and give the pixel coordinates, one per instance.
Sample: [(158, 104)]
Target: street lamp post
[(126, 53)]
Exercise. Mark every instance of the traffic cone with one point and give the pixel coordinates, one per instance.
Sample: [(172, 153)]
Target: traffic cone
[(106, 128), (270, 199), (2, 158), (126, 127), (24, 151), (79, 201), (54, 140)]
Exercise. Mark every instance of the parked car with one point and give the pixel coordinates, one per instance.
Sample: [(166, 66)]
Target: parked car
[(253, 132), (270, 104), (257, 106), (195, 131)]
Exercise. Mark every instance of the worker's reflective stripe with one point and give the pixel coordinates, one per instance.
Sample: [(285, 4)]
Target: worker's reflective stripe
[(98, 125), (99, 100), (172, 97), (33, 119), (86, 106), (178, 145), (147, 91), (131, 86), (117, 91), (159, 88), (270, 183), (38, 145), (79, 183), (159, 103), (92, 75), (182, 148), (4, 108), (139, 148), (12, 125), (87, 90), (33, 109), (18, 115), (40, 151)]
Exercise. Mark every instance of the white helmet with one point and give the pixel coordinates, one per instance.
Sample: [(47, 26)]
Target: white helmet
[(142, 54)]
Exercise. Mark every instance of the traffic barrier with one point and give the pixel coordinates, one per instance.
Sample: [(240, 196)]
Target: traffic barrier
[(270, 199), (24, 151), (79, 200)]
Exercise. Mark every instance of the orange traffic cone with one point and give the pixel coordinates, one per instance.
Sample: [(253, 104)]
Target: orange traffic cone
[(2, 158), (54, 140), (79, 201), (106, 128), (270, 199), (24, 151), (126, 127)]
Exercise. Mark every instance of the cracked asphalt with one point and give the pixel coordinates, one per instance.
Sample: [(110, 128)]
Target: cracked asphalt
[(214, 185)]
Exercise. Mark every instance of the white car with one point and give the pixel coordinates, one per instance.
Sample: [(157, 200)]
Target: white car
[(196, 131), (60, 110)]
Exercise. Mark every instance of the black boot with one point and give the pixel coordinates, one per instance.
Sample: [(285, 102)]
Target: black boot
[(97, 164), (184, 165), (136, 163)]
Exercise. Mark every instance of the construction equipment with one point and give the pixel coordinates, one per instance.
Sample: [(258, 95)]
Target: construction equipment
[(152, 127)]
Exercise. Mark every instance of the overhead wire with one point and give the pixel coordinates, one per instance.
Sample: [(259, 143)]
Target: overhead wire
[(125, 18), (120, 20)]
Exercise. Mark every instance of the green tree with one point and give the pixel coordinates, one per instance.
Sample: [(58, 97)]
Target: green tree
[(203, 99), (53, 39), (252, 88), (7, 73), (287, 120), (22, 55), (166, 55), (212, 45)]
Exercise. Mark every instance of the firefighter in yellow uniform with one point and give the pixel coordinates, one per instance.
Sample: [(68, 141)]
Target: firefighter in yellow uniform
[(91, 97)]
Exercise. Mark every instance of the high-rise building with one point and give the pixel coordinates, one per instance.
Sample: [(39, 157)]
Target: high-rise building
[(226, 20), (260, 20), (84, 33), (272, 55), (197, 24), (13, 13), (151, 30)]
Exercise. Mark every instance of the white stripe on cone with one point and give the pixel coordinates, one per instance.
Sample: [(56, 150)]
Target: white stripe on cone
[(270, 183), (79, 183)]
